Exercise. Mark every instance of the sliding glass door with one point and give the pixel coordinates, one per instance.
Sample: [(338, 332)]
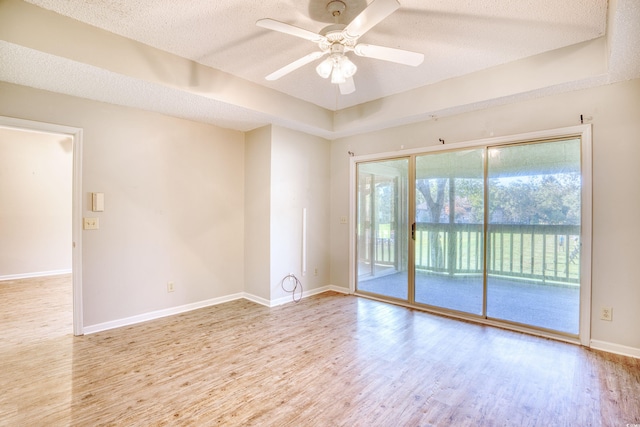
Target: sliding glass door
[(492, 232), (382, 228), (533, 240), (449, 216)]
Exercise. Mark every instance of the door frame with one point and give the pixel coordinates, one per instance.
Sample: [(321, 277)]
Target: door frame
[(584, 132), (76, 209)]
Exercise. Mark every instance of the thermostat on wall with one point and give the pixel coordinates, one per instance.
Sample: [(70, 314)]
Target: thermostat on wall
[(97, 202)]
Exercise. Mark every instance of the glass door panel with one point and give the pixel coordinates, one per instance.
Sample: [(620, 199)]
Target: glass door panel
[(382, 228), (533, 234), (449, 217)]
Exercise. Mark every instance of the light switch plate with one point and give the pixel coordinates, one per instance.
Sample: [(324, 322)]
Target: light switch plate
[(97, 202)]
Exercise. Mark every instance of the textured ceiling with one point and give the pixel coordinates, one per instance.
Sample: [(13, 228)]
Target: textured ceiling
[(457, 37), (206, 61)]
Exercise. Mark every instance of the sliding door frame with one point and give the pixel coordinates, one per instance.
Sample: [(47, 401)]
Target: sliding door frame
[(583, 132)]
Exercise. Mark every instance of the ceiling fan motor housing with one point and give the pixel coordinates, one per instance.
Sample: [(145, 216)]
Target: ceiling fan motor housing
[(335, 35)]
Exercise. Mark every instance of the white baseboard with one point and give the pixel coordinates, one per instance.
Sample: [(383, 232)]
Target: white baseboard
[(615, 348), (287, 299), (91, 329), (35, 274), (256, 299), (158, 314), (339, 289)]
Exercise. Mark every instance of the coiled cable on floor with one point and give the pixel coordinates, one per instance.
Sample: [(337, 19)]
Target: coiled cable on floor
[(295, 284)]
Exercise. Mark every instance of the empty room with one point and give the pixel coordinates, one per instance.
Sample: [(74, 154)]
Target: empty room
[(319, 213)]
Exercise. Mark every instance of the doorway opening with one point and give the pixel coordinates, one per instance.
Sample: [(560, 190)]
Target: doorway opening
[(56, 251)]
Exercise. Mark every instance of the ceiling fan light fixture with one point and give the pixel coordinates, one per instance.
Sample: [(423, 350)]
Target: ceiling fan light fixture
[(337, 76), (348, 68), (338, 66), (324, 68)]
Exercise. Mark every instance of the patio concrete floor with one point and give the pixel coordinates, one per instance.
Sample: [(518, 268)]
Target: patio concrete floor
[(548, 306)]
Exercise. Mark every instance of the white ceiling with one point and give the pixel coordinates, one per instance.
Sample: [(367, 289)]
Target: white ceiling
[(459, 38)]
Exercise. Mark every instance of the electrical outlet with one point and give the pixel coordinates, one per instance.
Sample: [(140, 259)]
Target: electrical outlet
[(170, 287), (606, 313), (90, 223), (343, 220), (315, 271)]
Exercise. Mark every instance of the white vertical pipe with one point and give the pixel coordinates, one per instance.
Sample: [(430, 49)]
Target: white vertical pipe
[(304, 241)]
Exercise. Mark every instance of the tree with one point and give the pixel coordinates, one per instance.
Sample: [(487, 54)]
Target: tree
[(470, 196), (538, 199), (433, 192)]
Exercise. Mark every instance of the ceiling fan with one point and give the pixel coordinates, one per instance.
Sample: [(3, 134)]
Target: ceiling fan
[(338, 39)]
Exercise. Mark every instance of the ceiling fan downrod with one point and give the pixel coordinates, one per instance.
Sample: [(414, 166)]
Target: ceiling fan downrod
[(336, 8)]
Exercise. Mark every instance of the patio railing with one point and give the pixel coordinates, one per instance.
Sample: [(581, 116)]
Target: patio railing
[(533, 252)]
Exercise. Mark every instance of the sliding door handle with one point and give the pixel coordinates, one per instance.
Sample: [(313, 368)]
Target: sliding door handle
[(413, 231)]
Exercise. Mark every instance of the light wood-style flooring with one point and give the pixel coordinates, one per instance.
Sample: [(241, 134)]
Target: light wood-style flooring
[(330, 360)]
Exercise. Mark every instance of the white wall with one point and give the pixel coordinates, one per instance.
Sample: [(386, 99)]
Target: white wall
[(35, 203), (286, 172), (615, 113), (174, 203), (299, 179), (257, 215)]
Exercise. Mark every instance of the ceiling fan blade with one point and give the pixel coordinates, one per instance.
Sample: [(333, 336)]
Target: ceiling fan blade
[(272, 24), (347, 87), (368, 18), (295, 65), (389, 54)]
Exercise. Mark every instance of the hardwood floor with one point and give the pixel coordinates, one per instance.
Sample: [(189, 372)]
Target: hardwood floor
[(35, 309), (330, 360)]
